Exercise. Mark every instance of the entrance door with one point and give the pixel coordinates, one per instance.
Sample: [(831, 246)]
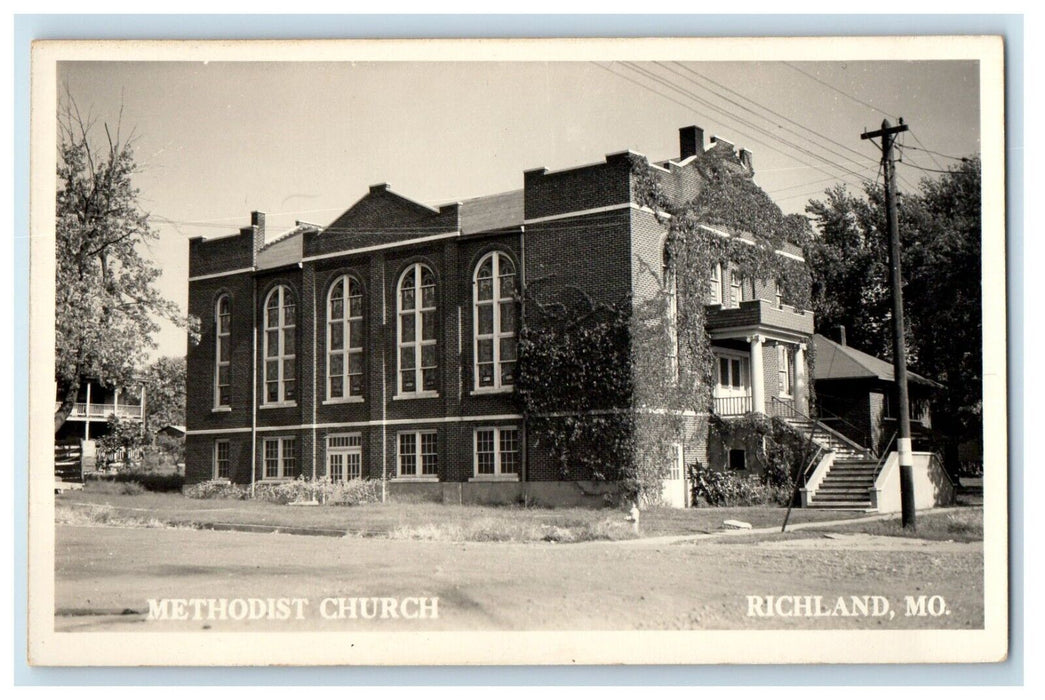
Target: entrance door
[(732, 388), (344, 457), (674, 489)]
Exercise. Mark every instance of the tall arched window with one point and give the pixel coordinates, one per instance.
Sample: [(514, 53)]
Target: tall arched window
[(416, 331), (222, 350), (495, 343), (280, 371), (345, 339)]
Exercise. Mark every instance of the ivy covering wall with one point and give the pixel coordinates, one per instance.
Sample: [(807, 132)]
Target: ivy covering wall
[(607, 388)]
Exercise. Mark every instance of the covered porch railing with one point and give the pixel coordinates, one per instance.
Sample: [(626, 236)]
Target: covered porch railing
[(733, 405), (102, 411)]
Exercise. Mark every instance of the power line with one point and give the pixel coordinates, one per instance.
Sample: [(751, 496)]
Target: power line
[(734, 118), (862, 156), (806, 184), (838, 90), (802, 148), (928, 170), (942, 155)]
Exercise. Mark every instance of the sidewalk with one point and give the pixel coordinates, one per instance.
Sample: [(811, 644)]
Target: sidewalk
[(682, 539)]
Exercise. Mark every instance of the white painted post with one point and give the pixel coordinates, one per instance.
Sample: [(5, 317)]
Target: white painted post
[(87, 415), (801, 393), (758, 375)]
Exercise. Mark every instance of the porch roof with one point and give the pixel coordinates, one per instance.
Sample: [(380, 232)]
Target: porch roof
[(837, 361)]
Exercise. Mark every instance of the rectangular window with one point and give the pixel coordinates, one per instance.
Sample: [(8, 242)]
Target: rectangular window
[(344, 457), (735, 292), (497, 451), (280, 455), (418, 453), (222, 352), (785, 369), (715, 295), (222, 468)]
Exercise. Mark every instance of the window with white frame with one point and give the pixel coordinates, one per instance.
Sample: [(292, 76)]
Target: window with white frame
[(732, 374), (416, 331), (345, 339), (671, 292), (785, 369), (280, 455), (222, 465), (715, 295), (279, 351), (495, 322), (497, 451), (222, 350), (735, 288), (344, 457), (418, 453)]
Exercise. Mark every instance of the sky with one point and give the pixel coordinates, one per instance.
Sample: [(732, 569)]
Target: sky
[(303, 141)]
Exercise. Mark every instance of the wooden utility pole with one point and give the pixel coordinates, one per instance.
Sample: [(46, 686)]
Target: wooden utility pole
[(903, 442)]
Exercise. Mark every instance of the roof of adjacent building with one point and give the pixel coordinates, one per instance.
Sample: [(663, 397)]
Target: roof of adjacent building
[(837, 361), (496, 211), (172, 428), (282, 250)]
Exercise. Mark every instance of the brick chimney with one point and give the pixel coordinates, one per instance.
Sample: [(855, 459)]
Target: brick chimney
[(841, 335), (691, 141), (747, 160)]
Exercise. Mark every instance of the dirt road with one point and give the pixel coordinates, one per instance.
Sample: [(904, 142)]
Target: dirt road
[(104, 576)]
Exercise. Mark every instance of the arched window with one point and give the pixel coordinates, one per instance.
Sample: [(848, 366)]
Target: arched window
[(495, 343), (345, 339), (672, 312), (222, 350), (416, 331), (280, 372)]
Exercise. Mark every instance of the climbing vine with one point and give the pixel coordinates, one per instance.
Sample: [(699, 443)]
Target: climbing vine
[(602, 384)]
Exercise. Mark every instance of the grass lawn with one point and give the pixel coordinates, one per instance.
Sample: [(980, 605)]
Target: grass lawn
[(960, 525), (415, 520)]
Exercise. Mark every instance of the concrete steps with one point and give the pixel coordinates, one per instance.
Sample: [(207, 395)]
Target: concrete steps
[(846, 485)]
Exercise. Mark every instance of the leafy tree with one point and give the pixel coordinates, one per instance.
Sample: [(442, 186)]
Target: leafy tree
[(944, 295), (164, 382), (122, 435), (106, 304), (940, 231), (848, 259)]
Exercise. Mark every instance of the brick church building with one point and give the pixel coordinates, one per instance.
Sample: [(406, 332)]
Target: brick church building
[(384, 345)]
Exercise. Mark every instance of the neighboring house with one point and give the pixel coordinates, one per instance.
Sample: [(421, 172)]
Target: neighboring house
[(74, 442), (857, 395), (172, 431), (384, 345), (94, 406)]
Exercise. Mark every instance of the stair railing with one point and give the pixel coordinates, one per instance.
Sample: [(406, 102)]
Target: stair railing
[(791, 412), (884, 456), (800, 481)]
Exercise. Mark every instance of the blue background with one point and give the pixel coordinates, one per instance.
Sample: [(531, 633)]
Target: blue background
[(30, 27)]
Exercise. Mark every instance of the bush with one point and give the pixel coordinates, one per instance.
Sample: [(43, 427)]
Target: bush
[(215, 489), (349, 493), (117, 488), (712, 487), (160, 482)]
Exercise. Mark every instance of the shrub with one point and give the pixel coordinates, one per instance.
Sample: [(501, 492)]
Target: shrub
[(215, 489), (111, 487), (349, 493), (712, 487), (161, 482)]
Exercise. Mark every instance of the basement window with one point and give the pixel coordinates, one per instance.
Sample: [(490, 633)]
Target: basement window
[(737, 460)]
